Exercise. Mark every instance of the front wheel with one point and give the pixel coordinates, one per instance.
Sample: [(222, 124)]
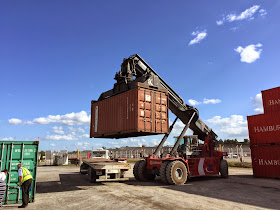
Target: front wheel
[(162, 172), (224, 169), (176, 173), (143, 173)]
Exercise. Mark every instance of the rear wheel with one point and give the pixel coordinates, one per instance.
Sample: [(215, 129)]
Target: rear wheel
[(143, 173), (224, 168), (84, 168), (162, 172), (92, 175), (176, 173), (135, 170)]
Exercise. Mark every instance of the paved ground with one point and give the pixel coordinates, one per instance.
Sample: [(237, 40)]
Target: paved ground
[(64, 188)]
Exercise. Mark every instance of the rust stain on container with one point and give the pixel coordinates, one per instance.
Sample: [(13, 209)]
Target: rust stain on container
[(264, 128), (271, 100), (137, 112), (266, 161)]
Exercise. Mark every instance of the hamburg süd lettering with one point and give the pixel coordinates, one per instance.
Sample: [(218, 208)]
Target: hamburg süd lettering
[(267, 128)]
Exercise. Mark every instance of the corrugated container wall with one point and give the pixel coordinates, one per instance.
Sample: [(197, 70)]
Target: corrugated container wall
[(266, 161), (137, 112), (264, 128), (271, 100), (12, 153)]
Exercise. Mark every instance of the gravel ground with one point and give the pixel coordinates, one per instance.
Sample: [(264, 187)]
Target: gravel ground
[(64, 188)]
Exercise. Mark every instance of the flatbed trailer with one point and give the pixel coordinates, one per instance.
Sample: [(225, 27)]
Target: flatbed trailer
[(102, 169)]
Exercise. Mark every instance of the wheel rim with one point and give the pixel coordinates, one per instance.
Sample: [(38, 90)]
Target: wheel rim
[(179, 173)]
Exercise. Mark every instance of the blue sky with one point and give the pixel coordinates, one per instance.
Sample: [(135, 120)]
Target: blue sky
[(57, 56)]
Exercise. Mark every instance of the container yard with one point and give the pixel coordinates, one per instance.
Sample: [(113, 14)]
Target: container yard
[(124, 105), (68, 189)]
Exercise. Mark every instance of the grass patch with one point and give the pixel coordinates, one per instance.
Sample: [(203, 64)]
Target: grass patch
[(132, 160), (57, 165), (240, 164)]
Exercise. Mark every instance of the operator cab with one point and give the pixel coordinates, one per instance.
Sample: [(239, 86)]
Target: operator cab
[(189, 147)]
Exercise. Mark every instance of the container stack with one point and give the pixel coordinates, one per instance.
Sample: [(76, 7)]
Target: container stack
[(264, 134)]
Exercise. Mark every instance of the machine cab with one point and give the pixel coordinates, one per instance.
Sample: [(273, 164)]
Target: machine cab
[(189, 147)]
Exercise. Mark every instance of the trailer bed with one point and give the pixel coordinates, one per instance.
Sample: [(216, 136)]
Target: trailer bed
[(101, 169)]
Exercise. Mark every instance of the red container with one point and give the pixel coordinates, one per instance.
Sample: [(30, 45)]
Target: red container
[(88, 155), (266, 161), (271, 100), (137, 112), (264, 128)]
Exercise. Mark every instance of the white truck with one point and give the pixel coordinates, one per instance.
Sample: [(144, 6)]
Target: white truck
[(100, 168)]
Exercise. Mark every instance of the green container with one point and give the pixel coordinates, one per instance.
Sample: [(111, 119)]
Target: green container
[(11, 154)]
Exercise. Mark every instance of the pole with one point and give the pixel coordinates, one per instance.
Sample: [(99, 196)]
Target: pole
[(156, 153), (174, 149)]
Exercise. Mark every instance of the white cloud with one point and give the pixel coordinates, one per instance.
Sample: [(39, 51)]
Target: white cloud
[(67, 119), (7, 139), (58, 129), (249, 54), (193, 102), (257, 101), (262, 12), (233, 126), (83, 145), (85, 136), (200, 35), (73, 118), (248, 14), (211, 101), (14, 121), (220, 22), (68, 137), (52, 144), (234, 28), (79, 129), (178, 128)]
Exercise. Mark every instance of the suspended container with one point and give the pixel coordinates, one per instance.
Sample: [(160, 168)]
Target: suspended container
[(271, 100), (141, 111), (266, 161), (264, 129), (12, 153)]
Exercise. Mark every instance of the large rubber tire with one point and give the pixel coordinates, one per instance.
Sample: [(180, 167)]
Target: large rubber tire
[(143, 173), (92, 175), (135, 170), (176, 172), (162, 172), (84, 168), (224, 169)]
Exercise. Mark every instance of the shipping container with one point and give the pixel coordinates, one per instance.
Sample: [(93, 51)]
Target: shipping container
[(138, 112), (264, 128), (12, 153), (271, 100), (266, 161)]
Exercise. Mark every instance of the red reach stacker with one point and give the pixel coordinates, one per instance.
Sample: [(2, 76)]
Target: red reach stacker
[(187, 158)]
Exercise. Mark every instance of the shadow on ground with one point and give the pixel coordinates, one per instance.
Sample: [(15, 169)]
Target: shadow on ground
[(68, 182), (237, 188)]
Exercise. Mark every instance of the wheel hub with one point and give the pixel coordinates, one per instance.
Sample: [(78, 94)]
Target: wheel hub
[(179, 173)]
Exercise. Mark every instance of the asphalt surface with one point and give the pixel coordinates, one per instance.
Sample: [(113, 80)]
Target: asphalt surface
[(62, 187)]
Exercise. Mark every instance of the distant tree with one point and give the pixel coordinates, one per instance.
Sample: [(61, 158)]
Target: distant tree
[(221, 142), (42, 153), (246, 141), (103, 147)]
